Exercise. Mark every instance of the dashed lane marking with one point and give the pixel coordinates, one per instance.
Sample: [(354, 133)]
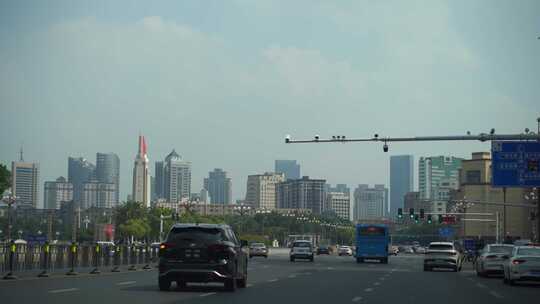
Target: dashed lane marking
[(368, 289), (272, 280), (207, 294), (376, 283), (480, 285), (292, 276), (357, 299), (126, 283), (63, 290), (382, 279), (330, 268), (496, 295), (249, 285)]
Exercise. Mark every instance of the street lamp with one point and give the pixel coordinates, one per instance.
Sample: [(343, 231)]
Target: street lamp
[(242, 210), (263, 211), (9, 199)]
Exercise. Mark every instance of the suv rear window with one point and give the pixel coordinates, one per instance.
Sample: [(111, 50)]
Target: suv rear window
[(529, 251), (500, 249), (199, 234), (302, 244), (441, 247)]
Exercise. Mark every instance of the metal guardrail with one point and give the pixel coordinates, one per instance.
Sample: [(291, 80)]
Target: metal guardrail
[(25, 258)]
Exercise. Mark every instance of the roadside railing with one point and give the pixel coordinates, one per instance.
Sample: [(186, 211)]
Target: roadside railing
[(92, 258)]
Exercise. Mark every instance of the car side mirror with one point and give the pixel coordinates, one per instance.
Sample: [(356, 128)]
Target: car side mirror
[(243, 243)]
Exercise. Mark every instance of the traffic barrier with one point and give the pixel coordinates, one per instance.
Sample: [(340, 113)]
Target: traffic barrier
[(147, 258), (73, 251), (46, 250), (133, 258), (96, 259), (12, 251), (117, 256)]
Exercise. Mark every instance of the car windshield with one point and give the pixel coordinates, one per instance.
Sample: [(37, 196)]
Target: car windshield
[(501, 249), (257, 245), (302, 244), (529, 251), (440, 247)]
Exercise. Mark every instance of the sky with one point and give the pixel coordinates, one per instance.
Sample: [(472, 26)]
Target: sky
[(223, 82)]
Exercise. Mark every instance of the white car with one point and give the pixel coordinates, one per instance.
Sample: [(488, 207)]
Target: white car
[(523, 265), (443, 255), (344, 250), (492, 258), (301, 250)]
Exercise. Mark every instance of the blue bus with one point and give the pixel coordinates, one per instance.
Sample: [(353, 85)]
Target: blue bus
[(372, 242)]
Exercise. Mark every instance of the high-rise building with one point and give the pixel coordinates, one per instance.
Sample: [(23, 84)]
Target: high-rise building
[(288, 167), (341, 188), (175, 179), (338, 203), (261, 190), (24, 180), (219, 187), (98, 195), (370, 203), (141, 176), (57, 193), (80, 171), (108, 171), (401, 180), (304, 193), (475, 186), (438, 176), (159, 175)]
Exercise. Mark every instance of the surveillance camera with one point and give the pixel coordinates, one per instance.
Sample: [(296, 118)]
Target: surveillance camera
[(287, 138), (527, 130), (468, 132), (343, 137), (492, 131), (376, 135), (333, 137), (385, 148), (317, 137)]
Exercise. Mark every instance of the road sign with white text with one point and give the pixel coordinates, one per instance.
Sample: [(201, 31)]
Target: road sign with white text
[(515, 163)]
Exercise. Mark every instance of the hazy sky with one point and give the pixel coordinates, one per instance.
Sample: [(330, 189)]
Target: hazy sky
[(222, 82)]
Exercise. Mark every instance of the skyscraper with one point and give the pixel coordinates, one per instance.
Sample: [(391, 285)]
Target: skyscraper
[(438, 176), (25, 179), (339, 203), (304, 193), (57, 192), (159, 176), (261, 190), (401, 180), (370, 203), (80, 171), (108, 171), (288, 167), (141, 176), (175, 178), (98, 195), (219, 187)]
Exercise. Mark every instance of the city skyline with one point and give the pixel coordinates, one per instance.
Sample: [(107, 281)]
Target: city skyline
[(332, 72)]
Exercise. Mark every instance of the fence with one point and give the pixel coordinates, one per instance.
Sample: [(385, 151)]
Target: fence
[(55, 258)]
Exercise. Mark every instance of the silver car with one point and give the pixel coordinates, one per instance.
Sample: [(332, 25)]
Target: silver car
[(443, 255), (492, 258), (523, 265)]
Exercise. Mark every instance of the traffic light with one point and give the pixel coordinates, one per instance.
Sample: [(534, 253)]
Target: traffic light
[(422, 214), (416, 219), (400, 213), (429, 220), (440, 219), (411, 213)]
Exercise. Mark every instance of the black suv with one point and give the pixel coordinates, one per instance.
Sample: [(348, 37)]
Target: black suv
[(202, 253)]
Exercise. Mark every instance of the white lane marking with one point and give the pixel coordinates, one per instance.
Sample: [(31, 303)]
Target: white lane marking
[(272, 280), (376, 283), (207, 294), (266, 266), (382, 279), (307, 273), (371, 265), (496, 295), (368, 289), (63, 290), (292, 276), (126, 283), (356, 299), (249, 285), (480, 285), (330, 268)]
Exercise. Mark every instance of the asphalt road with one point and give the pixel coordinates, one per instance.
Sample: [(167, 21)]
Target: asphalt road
[(330, 279)]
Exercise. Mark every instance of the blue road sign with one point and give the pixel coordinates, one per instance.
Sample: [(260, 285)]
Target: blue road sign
[(515, 164), (446, 231)]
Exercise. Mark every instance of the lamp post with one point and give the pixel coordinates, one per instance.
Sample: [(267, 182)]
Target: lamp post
[(9, 199), (263, 212), (461, 206), (242, 210)]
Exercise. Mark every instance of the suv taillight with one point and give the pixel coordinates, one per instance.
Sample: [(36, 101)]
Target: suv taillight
[(518, 262)]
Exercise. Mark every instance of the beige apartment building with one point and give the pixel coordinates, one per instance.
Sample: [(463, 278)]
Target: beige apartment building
[(475, 188), (261, 190)]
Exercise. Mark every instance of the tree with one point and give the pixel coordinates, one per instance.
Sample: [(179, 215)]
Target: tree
[(5, 178), (138, 228)]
